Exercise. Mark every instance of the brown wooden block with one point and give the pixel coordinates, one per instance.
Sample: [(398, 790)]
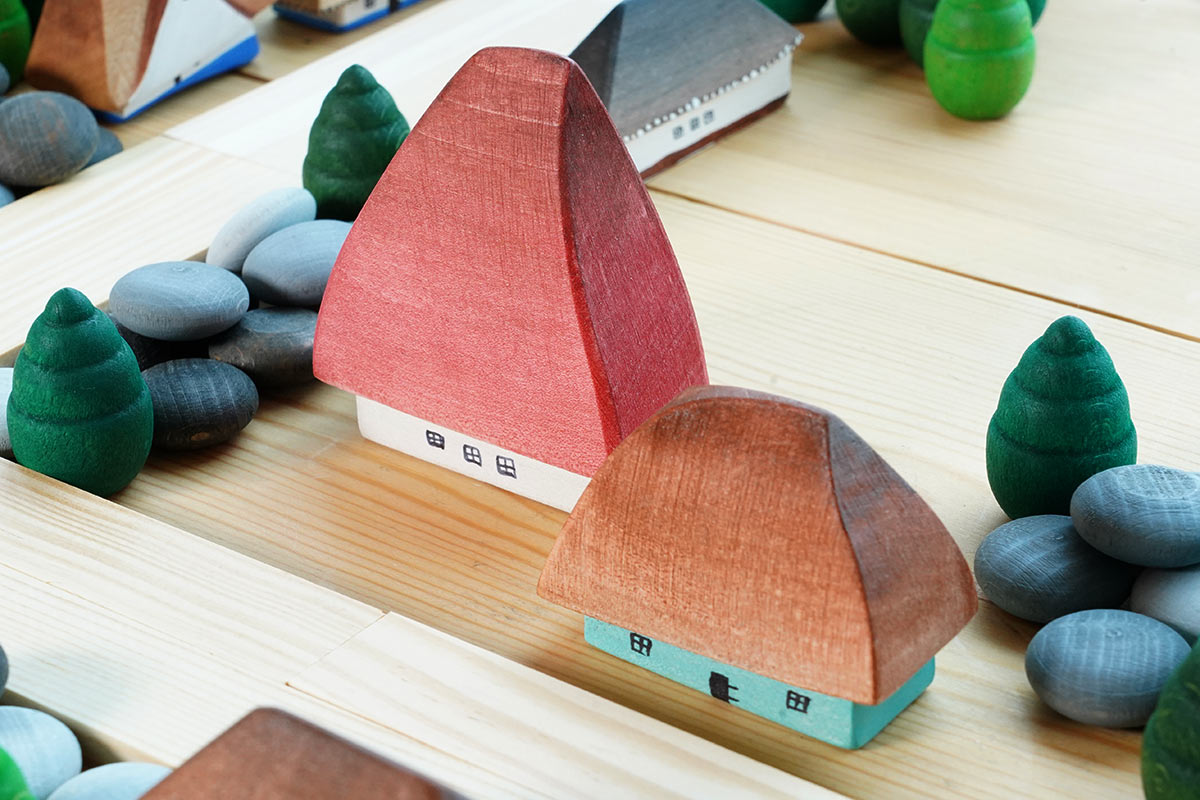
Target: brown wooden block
[(272, 755), (764, 534)]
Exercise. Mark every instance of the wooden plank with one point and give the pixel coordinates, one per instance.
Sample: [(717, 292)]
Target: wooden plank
[(159, 201), (413, 61), (1085, 193), (147, 638), (912, 359), (287, 46), (549, 737), (179, 108)]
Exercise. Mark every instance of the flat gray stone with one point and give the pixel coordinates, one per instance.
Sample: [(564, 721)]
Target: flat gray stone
[(1171, 596), (1103, 666), (6, 378), (199, 402), (178, 301), (45, 137), (292, 266), (257, 220), (1143, 514), (107, 145), (127, 780), (44, 749), (1038, 568), (6, 195), (274, 346)]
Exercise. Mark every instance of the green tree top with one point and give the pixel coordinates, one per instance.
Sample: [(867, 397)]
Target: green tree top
[(1171, 745)]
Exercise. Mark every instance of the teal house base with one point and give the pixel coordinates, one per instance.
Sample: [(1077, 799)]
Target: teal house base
[(830, 719)]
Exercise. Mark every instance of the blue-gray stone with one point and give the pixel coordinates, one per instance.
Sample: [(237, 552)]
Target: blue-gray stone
[(257, 220), (5, 79), (45, 750), (123, 781), (1038, 568), (1143, 514), (178, 301), (45, 137), (107, 145), (6, 195), (149, 352), (6, 379), (3, 670), (1171, 596), (199, 402), (1103, 666), (274, 346), (291, 267)]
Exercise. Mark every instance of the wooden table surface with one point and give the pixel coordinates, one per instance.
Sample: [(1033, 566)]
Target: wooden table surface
[(859, 250)]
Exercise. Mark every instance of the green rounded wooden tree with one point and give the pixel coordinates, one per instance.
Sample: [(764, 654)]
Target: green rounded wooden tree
[(1063, 416), (1171, 744), (79, 410), (796, 10), (979, 56), (352, 141), (15, 38), (12, 782), (874, 22), (915, 18)]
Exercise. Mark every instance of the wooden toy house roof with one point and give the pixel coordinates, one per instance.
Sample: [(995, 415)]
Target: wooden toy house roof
[(272, 755), (767, 535), (509, 277), (649, 58)]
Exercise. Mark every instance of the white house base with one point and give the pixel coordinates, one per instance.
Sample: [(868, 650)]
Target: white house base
[(722, 109), (448, 448)]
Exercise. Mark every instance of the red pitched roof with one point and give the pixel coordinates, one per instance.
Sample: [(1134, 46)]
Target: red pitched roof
[(509, 277)]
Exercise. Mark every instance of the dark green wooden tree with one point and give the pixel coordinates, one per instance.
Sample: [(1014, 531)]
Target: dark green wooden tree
[(1171, 744), (979, 56), (875, 22), (15, 38), (351, 143), (1063, 416), (796, 10), (917, 15), (79, 410), (12, 782)]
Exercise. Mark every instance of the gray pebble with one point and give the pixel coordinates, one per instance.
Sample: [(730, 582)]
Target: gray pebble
[(6, 378), (199, 403), (149, 352), (1143, 514), (179, 301), (274, 346), (291, 267), (5, 80), (257, 220), (44, 749), (45, 137), (123, 781), (108, 145), (1038, 568), (3, 670), (1171, 596), (6, 195), (1103, 666)]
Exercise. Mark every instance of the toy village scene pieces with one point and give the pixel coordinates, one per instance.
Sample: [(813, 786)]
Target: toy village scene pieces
[(487, 284)]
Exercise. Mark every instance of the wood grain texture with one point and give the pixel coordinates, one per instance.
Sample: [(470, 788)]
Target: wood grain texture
[(1083, 194), (832, 574), (390, 673), (866, 334), (273, 755), (93, 50), (509, 277)]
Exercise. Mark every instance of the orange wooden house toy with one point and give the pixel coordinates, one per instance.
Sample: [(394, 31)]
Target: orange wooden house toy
[(272, 755), (757, 549), (507, 304)]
